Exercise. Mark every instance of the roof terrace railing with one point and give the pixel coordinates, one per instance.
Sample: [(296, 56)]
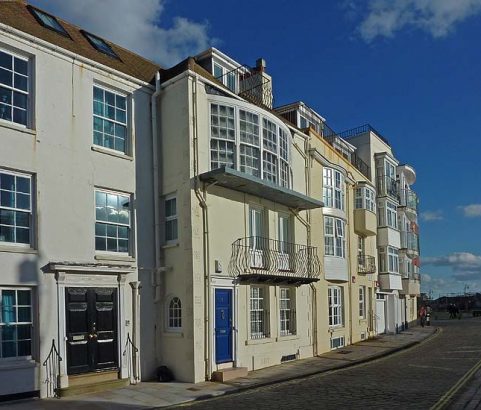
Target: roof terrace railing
[(362, 129)]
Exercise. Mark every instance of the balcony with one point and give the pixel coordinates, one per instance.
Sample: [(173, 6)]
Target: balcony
[(410, 243), (386, 186), (409, 200), (366, 264), (412, 285), (258, 259), (390, 281), (365, 222)]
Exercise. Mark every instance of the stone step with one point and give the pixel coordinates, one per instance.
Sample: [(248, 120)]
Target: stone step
[(92, 388), (223, 375), (92, 378)]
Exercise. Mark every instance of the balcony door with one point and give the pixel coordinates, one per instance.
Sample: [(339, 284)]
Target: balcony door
[(258, 243), (284, 244)]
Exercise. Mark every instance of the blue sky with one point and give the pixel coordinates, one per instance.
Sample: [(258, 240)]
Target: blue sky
[(410, 68)]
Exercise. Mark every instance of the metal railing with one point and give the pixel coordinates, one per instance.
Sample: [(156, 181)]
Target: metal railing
[(133, 365), (52, 371), (410, 241), (366, 264), (362, 129), (408, 198), (249, 83), (257, 255), (386, 186), (332, 138)]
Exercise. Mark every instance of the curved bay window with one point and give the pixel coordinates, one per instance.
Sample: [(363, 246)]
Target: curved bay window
[(333, 190), (247, 141)]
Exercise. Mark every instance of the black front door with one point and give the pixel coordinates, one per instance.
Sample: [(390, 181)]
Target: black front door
[(91, 320)]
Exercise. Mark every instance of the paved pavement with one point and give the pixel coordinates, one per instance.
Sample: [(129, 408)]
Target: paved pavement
[(328, 380)]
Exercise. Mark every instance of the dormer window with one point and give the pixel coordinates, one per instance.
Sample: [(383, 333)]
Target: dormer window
[(225, 76), (48, 21), (100, 45)]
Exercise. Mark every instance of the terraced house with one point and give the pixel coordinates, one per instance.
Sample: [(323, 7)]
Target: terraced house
[(74, 118), (175, 217)]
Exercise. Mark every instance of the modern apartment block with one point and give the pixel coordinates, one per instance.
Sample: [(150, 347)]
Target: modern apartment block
[(74, 117), (174, 217)]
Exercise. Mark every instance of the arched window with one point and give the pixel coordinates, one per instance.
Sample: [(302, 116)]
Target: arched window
[(175, 314)]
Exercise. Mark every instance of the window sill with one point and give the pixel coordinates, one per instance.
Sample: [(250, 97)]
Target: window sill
[(287, 338), (171, 245), (111, 152), (16, 364), (113, 257), (259, 341), (336, 328), (19, 128), (173, 333), (17, 249)]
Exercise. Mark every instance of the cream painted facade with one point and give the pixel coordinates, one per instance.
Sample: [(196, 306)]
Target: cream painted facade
[(56, 154)]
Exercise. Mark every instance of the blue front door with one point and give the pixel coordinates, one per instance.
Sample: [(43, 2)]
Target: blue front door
[(223, 325)]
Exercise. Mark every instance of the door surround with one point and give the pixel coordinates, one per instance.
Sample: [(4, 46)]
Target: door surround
[(98, 276)]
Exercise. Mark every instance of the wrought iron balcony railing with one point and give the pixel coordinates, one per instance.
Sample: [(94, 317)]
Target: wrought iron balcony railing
[(366, 264), (267, 259), (409, 199), (386, 186)]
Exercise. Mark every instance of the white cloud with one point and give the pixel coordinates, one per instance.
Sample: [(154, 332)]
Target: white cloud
[(465, 265), (135, 25), (437, 17), (432, 216), (471, 211)]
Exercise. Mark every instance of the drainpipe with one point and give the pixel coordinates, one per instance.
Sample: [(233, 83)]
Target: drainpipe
[(135, 322), (202, 198), (156, 183), (349, 283)]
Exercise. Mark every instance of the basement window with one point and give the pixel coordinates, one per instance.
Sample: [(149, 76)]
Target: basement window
[(100, 45), (48, 21)]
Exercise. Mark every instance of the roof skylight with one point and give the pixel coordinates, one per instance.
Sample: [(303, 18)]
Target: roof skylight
[(48, 21), (100, 44)]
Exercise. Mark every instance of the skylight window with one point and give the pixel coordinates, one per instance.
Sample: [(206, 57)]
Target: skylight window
[(48, 21), (100, 45)]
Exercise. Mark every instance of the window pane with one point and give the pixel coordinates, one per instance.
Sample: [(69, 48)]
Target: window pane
[(21, 66), (6, 77), (111, 245), (100, 244), (21, 82), (8, 310), (24, 297), (7, 217), (24, 314), (20, 116), (25, 348), (7, 234), (5, 95), (5, 60), (22, 235)]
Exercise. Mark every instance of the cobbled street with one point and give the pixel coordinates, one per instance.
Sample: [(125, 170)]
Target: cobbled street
[(416, 378)]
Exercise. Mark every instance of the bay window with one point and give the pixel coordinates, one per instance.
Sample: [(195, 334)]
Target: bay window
[(389, 260), (365, 198), (249, 142)]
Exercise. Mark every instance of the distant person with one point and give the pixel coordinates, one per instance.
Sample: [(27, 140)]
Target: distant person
[(422, 315), (451, 311)]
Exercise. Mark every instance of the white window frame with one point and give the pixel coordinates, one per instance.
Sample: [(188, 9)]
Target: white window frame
[(334, 237), (391, 215), (28, 211), (272, 142), (362, 302), (17, 323), (171, 219), (127, 141), (393, 259), (174, 314), (287, 311), (333, 188), (335, 303), (259, 312), (129, 226), (28, 93), (365, 198)]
